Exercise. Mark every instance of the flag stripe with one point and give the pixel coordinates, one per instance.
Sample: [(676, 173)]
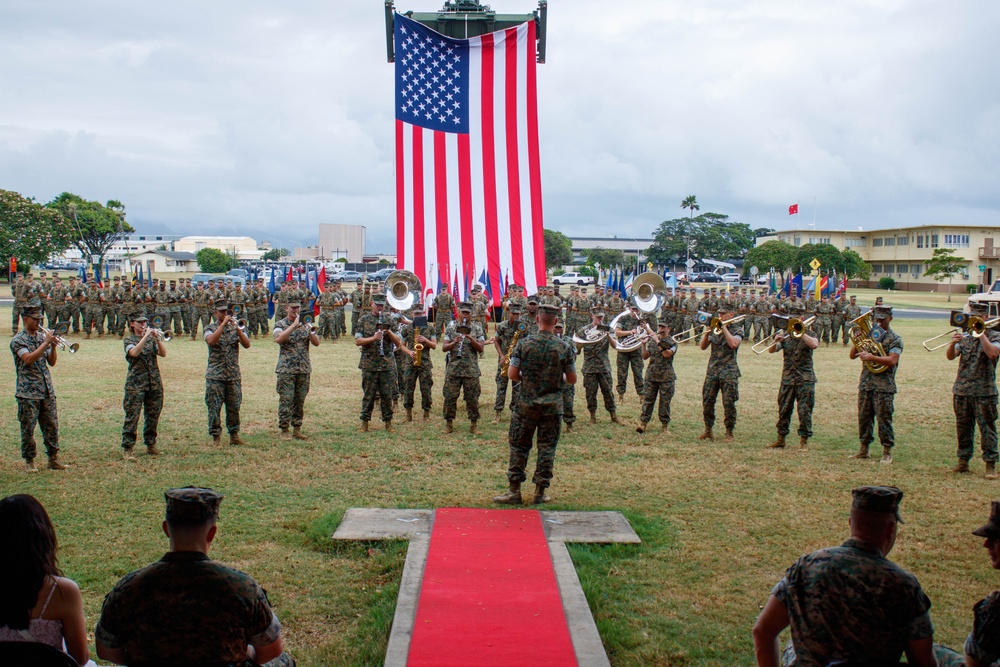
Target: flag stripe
[(441, 199), (418, 198), (401, 196), (534, 159)]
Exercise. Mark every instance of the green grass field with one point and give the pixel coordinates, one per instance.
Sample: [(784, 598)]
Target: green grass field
[(719, 523)]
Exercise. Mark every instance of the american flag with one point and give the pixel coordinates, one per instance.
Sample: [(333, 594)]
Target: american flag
[(468, 181)]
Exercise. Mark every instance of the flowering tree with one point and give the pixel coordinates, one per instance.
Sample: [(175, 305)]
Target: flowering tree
[(30, 232)]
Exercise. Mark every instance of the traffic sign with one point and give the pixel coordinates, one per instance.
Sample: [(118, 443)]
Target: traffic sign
[(754, 270), (690, 263), (815, 264)]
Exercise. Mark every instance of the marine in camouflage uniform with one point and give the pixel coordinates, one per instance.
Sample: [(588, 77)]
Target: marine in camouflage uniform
[(35, 394), (378, 369), (542, 363), (423, 374), (851, 311), (444, 308), (93, 314), (660, 377), (824, 319), (628, 325), (722, 375), (293, 370), (837, 319), (850, 604), (187, 609), (798, 384), (462, 371), (597, 368), (503, 340), (876, 391), (975, 393), (568, 390), (223, 379), (143, 386), (327, 304), (17, 292), (174, 297)]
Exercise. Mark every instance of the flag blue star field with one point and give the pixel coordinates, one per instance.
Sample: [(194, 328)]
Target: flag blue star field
[(468, 176)]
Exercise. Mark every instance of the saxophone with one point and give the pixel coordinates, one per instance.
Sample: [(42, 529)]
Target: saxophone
[(418, 348), (519, 329)]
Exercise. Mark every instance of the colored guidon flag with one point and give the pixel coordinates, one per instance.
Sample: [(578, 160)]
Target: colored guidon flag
[(468, 181), (793, 209)]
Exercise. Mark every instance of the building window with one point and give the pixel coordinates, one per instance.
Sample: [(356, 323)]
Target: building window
[(903, 240), (902, 268), (798, 241), (819, 239), (920, 240), (856, 243), (956, 240), (877, 243), (890, 241), (917, 269), (876, 268), (934, 241)]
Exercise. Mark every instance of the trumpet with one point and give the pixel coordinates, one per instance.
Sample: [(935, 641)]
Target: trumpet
[(159, 334), (965, 325), (793, 326), (61, 342), (307, 319)]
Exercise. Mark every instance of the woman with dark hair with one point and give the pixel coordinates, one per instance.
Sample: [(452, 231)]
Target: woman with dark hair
[(38, 604)]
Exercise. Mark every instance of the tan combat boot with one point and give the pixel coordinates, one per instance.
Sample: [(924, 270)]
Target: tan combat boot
[(298, 434), (961, 466), (778, 444), (54, 462), (886, 455), (621, 399), (152, 450), (449, 427), (641, 428), (389, 428), (991, 470), (235, 439), (614, 418), (862, 452), (707, 435), (593, 417), (803, 443), (29, 465), (496, 417), (285, 435), (363, 428), (472, 428), (409, 415), (512, 497), (569, 427), (427, 415), (217, 439), (540, 496), (665, 427), (729, 436), (127, 454)]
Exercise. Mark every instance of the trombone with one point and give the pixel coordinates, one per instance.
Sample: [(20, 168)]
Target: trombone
[(61, 342), (965, 324), (703, 319), (793, 326), (717, 323)]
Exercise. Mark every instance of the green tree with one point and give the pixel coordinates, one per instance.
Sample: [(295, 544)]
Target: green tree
[(558, 249), (213, 260), (776, 255), (30, 232), (605, 257), (691, 204), (97, 226), (274, 254), (854, 266), (383, 261), (945, 264), (827, 254), (709, 235)]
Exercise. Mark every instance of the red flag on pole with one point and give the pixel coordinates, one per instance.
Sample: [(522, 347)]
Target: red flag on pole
[(793, 209)]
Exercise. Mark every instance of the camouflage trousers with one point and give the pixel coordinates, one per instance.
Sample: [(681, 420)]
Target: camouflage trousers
[(15, 317), (64, 314), (730, 395), (381, 384), (972, 411), (325, 324), (134, 403), (523, 425), (412, 375), (502, 381), (875, 406), (805, 396), (31, 411), (75, 316), (339, 322), (838, 326), (355, 314), (174, 315), (594, 381), (108, 315), (264, 322), (823, 325), (292, 390), (568, 396), (846, 331), (665, 390), (625, 361), (202, 316), (51, 315), (469, 386), (758, 328), (217, 394), (93, 318)]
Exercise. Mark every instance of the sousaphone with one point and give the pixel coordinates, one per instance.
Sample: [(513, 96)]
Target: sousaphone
[(402, 290)]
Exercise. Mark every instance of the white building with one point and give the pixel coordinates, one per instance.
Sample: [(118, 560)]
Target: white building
[(335, 241), (244, 246), (165, 261)]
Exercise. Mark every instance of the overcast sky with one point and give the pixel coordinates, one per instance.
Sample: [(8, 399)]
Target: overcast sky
[(267, 118)]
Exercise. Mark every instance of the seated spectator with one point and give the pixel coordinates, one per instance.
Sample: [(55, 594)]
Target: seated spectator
[(38, 604), (187, 609), (850, 603), (982, 648)]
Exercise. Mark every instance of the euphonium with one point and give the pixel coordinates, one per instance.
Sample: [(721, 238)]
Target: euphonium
[(520, 329), (863, 342), (592, 334), (635, 340)]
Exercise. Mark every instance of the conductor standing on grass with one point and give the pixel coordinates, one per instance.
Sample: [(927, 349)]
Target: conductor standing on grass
[(541, 363), (850, 603)]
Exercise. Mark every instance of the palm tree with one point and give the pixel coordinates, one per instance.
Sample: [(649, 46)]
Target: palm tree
[(691, 203)]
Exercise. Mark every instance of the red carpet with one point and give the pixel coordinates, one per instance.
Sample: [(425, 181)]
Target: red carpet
[(489, 595)]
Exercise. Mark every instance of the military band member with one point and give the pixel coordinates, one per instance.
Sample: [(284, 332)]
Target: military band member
[(374, 336), (975, 392), (852, 311), (837, 319), (798, 384), (463, 341), (722, 375), (568, 390), (630, 324), (502, 341), (143, 386), (597, 367), (35, 394), (444, 308), (824, 320), (660, 376), (293, 370), (223, 379), (876, 390), (542, 364), (411, 334)]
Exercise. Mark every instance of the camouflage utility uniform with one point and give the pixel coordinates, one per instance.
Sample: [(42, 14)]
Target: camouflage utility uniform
[(378, 370), (143, 391), (660, 380), (875, 397), (462, 373), (722, 375), (423, 374), (36, 397), (629, 360), (223, 380), (597, 373), (975, 397), (798, 385), (293, 370), (504, 335)]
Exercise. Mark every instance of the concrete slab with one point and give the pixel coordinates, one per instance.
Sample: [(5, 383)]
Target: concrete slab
[(405, 617), (582, 628), (364, 523), (592, 527)]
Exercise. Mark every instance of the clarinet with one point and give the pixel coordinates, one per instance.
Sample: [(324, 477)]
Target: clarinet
[(381, 341)]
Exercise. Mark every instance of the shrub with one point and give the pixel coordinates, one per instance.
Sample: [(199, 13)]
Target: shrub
[(886, 283)]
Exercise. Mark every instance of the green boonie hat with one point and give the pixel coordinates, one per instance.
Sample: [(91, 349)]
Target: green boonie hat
[(548, 309), (992, 527), (138, 318), (192, 504), (881, 499)]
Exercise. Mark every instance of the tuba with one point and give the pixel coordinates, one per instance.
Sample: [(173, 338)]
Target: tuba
[(402, 290), (861, 336), (648, 292)]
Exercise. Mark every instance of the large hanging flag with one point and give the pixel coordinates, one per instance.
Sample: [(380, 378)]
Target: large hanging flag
[(468, 176)]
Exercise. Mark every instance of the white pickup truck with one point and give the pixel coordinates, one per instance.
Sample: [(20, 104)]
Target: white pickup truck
[(990, 297), (573, 279)]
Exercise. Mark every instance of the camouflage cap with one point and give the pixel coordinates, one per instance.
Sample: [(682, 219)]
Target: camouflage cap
[(116, 279), (514, 310), (379, 299), (597, 310), (138, 317), (465, 307), (559, 324), (221, 304), (548, 309), (532, 300), (33, 308), (992, 527), (881, 499), (882, 312), (192, 505)]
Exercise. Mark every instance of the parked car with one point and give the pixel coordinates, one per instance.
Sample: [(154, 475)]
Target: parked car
[(706, 277), (242, 273), (199, 278), (348, 276), (730, 277), (573, 279), (379, 275)]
